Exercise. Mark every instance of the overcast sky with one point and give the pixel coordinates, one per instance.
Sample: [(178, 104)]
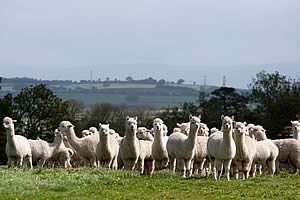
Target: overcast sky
[(170, 39)]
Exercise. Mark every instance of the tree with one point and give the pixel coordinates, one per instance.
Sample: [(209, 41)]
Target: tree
[(129, 78), (224, 100), (277, 101), (180, 81), (38, 111)]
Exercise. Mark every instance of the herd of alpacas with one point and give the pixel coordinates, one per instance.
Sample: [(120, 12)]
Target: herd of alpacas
[(237, 149)]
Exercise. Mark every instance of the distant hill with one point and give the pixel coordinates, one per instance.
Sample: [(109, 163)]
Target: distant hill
[(148, 92)]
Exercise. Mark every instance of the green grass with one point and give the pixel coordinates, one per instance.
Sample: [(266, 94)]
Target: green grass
[(87, 183), (155, 101)]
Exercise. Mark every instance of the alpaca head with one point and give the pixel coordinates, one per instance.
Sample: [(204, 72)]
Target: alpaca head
[(8, 123), (103, 130), (227, 123), (295, 126), (203, 129), (65, 126), (85, 133), (93, 130), (158, 125), (142, 132), (184, 127), (240, 128), (213, 130), (194, 123), (131, 124), (249, 129), (58, 135)]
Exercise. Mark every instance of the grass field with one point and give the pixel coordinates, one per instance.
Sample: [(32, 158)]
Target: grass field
[(87, 183), (155, 101)]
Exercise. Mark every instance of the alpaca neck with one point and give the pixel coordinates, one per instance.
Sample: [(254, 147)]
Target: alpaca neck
[(10, 133), (296, 134), (227, 137), (105, 142), (73, 139), (158, 136), (261, 136), (191, 140)]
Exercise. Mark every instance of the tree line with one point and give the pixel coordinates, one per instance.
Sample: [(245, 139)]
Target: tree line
[(272, 101)]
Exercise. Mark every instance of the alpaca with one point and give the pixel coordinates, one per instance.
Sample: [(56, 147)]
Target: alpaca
[(17, 146), (130, 146), (159, 145), (221, 147), (86, 146), (107, 148), (245, 150), (182, 147)]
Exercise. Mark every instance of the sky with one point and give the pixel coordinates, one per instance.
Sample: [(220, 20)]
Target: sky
[(169, 39)]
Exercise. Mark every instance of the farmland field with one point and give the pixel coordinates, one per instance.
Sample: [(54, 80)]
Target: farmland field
[(87, 183), (155, 101)]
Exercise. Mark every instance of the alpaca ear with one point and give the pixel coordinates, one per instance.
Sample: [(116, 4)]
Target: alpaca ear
[(232, 117), (222, 117), (100, 124), (177, 124), (190, 117), (199, 116), (127, 118), (245, 123), (108, 125), (14, 121)]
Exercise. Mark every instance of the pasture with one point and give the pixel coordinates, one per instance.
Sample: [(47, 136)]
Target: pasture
[(89, 183)]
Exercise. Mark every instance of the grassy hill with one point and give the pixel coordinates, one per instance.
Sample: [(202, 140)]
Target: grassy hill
[(88, 183)]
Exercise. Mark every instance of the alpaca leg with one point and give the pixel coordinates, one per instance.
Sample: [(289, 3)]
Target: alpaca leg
[(115, 163), (9, 163), (158, 164), (172, 164), (20, 162), (188, 167), (253, 169), (164, 163), (214, 169), (271, 167), (219, 168), (277, 167), (227, 164), (30, 162), (151, 167), (181, 167), (195, 168)]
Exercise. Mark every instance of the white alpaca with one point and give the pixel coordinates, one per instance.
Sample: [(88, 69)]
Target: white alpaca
[(130, 146), (184, 127), (86, 146), (203, 130), (182, 148), (296, 129), (144, 134), (17, 146), (85, 133), (93, 130), (59, 152), (245, 150), (221, 147), (266, 155), (289, 150), (107, 148), (159, 146)]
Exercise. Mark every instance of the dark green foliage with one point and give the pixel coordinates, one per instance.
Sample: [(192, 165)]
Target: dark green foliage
[(278, 101)]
